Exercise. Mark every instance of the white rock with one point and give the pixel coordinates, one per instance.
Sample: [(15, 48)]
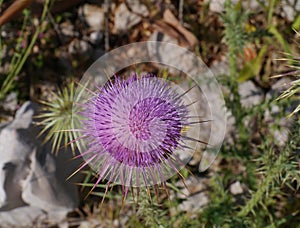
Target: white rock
[(14, 166), (11, 102), (194, 203), (290, 9), (138, 8), (236, 188), (22, 217), (220, 67), (124, 19), (96, 37), (250, 94), (32, 181), (278, 88), (217, 6), (94, 16), (165, 54)]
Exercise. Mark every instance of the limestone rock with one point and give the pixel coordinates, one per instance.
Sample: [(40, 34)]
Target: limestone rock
[(236, 188), (194, 203), (33, 182), (127, 18), (250, 94), (94, 16)]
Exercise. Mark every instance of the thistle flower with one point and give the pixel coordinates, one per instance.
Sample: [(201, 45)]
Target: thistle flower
[(134, 131)]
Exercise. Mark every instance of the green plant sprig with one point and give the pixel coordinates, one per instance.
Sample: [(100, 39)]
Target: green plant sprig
[(283, 170), (56, 118), (20, 57)]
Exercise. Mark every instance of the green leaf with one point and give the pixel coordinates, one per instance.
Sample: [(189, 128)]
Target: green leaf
[(273, 30), (296, 23), (253, 67)]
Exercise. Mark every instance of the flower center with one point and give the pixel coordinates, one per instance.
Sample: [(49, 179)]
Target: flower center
[(138, 124), (139, 120)]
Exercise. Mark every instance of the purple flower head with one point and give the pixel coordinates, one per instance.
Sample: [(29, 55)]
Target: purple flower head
[(134, 130)]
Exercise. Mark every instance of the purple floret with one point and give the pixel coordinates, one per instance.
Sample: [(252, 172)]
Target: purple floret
[(134, 124)]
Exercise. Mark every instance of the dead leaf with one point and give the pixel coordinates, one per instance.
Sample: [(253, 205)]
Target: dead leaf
[(170, 19)]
